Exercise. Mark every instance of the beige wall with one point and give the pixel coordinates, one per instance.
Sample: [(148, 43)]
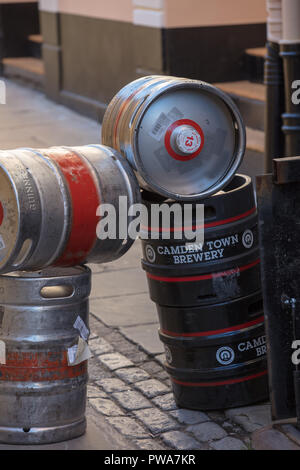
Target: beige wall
[(179, 13), (165, 13), (120, 10)]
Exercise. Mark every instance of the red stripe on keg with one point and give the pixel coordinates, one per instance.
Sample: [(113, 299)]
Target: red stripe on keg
[(205, 276), (197, 227), (45, 374), (1, 213), (216, 332), (29, 366), (223, 382), (31, 359), (85, 201)]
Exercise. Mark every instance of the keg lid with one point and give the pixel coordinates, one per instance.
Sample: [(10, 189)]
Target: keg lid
[(189, 140)]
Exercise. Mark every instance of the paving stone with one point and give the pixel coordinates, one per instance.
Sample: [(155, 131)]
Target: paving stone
[(189, 416), (164, 376), (132, 374), (145, 336), (165, 402), (148, 444), (112, 385), (115, 361), (106, 407), (229, 443), (100, 346), (96, 370), (155, 420), (161, 358), (97, 327), (131, 400), (179, 440), (251, 418), (272, 439), (152, 367), (128, 427), (123, 311), (207, 431), (95, 392), (152, 388), (117, 285)]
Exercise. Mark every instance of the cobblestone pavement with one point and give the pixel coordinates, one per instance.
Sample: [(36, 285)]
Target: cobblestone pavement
[(129, 388)]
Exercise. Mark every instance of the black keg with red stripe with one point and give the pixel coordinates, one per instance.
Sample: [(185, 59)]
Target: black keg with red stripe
[(209, 301), (223, 267)]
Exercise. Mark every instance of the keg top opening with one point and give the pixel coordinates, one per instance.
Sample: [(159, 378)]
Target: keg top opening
[(51, 272)]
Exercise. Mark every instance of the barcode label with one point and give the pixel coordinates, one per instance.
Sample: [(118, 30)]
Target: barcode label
[(81, 327), (163, 122), (160, 126)]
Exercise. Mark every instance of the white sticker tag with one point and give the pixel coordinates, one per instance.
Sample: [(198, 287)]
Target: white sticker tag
[(160, 125), (163, 122), (82, 328), (2, 244), (2, 353), (79, 353)]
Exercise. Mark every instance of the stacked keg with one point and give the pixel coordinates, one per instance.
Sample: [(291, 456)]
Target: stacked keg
[(185, 140), (49, 202)]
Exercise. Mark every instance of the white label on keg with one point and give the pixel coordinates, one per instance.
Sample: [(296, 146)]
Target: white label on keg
[(82, 328), (163, 122), (2, 353), (2, 244), (79, 353), (160, 126)]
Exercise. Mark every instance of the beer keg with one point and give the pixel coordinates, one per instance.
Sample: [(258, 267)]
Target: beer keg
[(43, 318), (224, 267), (184, 138), (208, 298), (49, 201), (216, 354)]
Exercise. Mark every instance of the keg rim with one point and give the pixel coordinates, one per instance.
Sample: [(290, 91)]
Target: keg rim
[(245, 180), (49, 273), (240, 137)]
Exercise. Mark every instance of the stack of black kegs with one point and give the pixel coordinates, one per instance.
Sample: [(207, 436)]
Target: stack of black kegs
[(185, 140)]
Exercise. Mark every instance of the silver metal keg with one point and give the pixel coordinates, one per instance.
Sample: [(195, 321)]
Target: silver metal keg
[(44, 318), (184, 138), (48, 206)]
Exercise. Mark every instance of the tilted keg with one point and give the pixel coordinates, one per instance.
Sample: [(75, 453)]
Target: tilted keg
[(44, 329), (184, 138), (209, 300), (49, 201)]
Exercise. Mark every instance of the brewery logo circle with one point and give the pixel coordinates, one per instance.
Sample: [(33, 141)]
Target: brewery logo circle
[(225, 355), (248, 239), (168, 355), (150, 253)]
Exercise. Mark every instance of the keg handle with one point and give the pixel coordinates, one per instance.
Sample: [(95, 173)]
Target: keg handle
[(56, 291)]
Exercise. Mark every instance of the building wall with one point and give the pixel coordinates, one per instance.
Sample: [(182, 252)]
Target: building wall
[(93, 48)]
